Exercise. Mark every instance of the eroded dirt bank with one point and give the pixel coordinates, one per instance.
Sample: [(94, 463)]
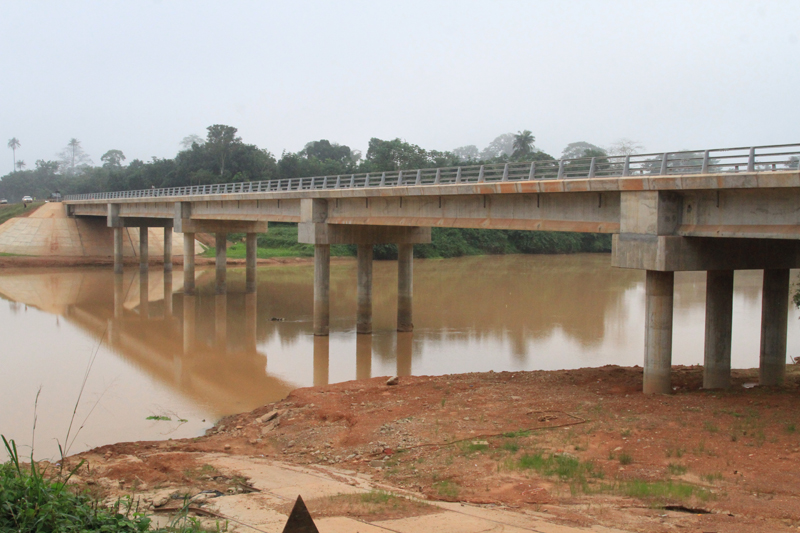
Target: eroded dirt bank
[(583, 445)]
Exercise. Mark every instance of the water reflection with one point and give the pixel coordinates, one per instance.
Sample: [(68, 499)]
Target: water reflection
[(206, 355)]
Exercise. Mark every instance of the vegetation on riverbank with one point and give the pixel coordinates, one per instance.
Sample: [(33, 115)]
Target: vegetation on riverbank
[(35, 500), (281, 241), (10, 211)]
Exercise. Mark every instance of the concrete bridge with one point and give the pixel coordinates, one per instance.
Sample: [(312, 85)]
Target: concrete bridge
[(715, 210)]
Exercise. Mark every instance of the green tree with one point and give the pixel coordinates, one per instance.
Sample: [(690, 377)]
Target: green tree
[(112, 159), (220, 141), (523, 144), (13, 143), (625, 147), (73, 158), (466, 153), (579, 149), (189, 140), (500, 146), (20, 165)]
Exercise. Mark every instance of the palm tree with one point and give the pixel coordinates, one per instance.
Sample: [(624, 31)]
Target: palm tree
[(523, 143), (20, 164), (75, 145), (13, 143)]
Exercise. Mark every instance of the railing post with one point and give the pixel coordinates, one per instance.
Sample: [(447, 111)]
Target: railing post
[(352, 180), (664, 159), (438, 176), (481, 178), (383, 180), (325, 182), (751, 161), (704, 169), (418, 181), (400, 178), (458, 175), (626, 166), (366, 180), (532, 173), (561, 169), (505, 172), (592, 167)]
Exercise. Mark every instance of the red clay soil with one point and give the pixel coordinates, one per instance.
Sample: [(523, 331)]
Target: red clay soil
[(584, 445)]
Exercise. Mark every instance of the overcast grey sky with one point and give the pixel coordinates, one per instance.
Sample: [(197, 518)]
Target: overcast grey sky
[(139, 76)]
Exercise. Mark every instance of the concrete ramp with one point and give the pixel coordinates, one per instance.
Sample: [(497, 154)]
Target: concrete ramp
[(49, 232)]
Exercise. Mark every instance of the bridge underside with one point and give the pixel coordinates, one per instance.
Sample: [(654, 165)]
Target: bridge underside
[(713, 223)]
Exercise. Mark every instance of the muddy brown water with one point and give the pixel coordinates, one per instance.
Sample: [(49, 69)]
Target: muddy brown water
[(209, 356)]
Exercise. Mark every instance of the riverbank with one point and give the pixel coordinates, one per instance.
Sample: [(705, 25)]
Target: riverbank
[(583, 446)]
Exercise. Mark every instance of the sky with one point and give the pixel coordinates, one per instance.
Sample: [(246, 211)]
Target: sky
[(139, 76)]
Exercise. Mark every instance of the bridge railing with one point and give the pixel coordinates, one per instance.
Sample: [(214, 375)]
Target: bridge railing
[(719, 160)]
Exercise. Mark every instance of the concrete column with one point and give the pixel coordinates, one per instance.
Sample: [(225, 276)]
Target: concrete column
[(167, 249), (118, 250), (405, 342), (364, 315), (119, 297), (363, 356), (658, 332), (774, 318), (188, 263), (189, 323), (144, 256), (221, 242), (322, 288), (321, 360), (168, 294), (251, 245), (144, 295), (251, 320), (405, 286), (719, 323), (221, 321)]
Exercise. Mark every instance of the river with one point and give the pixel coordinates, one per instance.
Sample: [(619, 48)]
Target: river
[(196, 359)]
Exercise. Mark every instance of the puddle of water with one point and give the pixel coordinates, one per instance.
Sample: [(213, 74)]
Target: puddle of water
[(195, 359)]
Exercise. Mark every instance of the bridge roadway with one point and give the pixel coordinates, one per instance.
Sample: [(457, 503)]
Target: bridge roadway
[(712, 210)]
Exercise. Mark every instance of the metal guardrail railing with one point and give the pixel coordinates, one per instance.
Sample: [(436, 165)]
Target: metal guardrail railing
[(719, 160)]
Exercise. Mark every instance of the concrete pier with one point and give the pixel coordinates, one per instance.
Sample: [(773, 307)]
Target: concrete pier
[(658, 332), (774, 319), (363, 356), (719, 323), (364, 314), (251, 321), (221, 243), (405, 286), (144, 296), (189, 323), (251, 245), (144, 256), (321, 360), (322, 288), (168, 249), (117, 250), (119, 296), (168, 294), (188, 263), (405, 342)]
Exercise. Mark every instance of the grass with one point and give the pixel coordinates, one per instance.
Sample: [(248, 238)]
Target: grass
[(661, 492), (710, 427), (625, 458), (158, 417), (446, 488), (676, 469), (565, 467), (711, 478), (35, 499), (10, 211)]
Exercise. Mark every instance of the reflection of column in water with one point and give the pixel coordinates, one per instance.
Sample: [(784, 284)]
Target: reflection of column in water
[(189, 321), (168, 293), (251, 320), (321, 351), (144, 296), (113, 332), (363, 356), (404, 342), (119, 296), (221, 320)]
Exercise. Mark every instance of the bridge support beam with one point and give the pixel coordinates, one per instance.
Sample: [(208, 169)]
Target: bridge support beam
[(251, 272), (118, 250), (144, 256), (364, 314), (719, 323), (322, 288), (221, 243), (188, 263), (167, 248), (658, 332), (405, 286), (774, 318)]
